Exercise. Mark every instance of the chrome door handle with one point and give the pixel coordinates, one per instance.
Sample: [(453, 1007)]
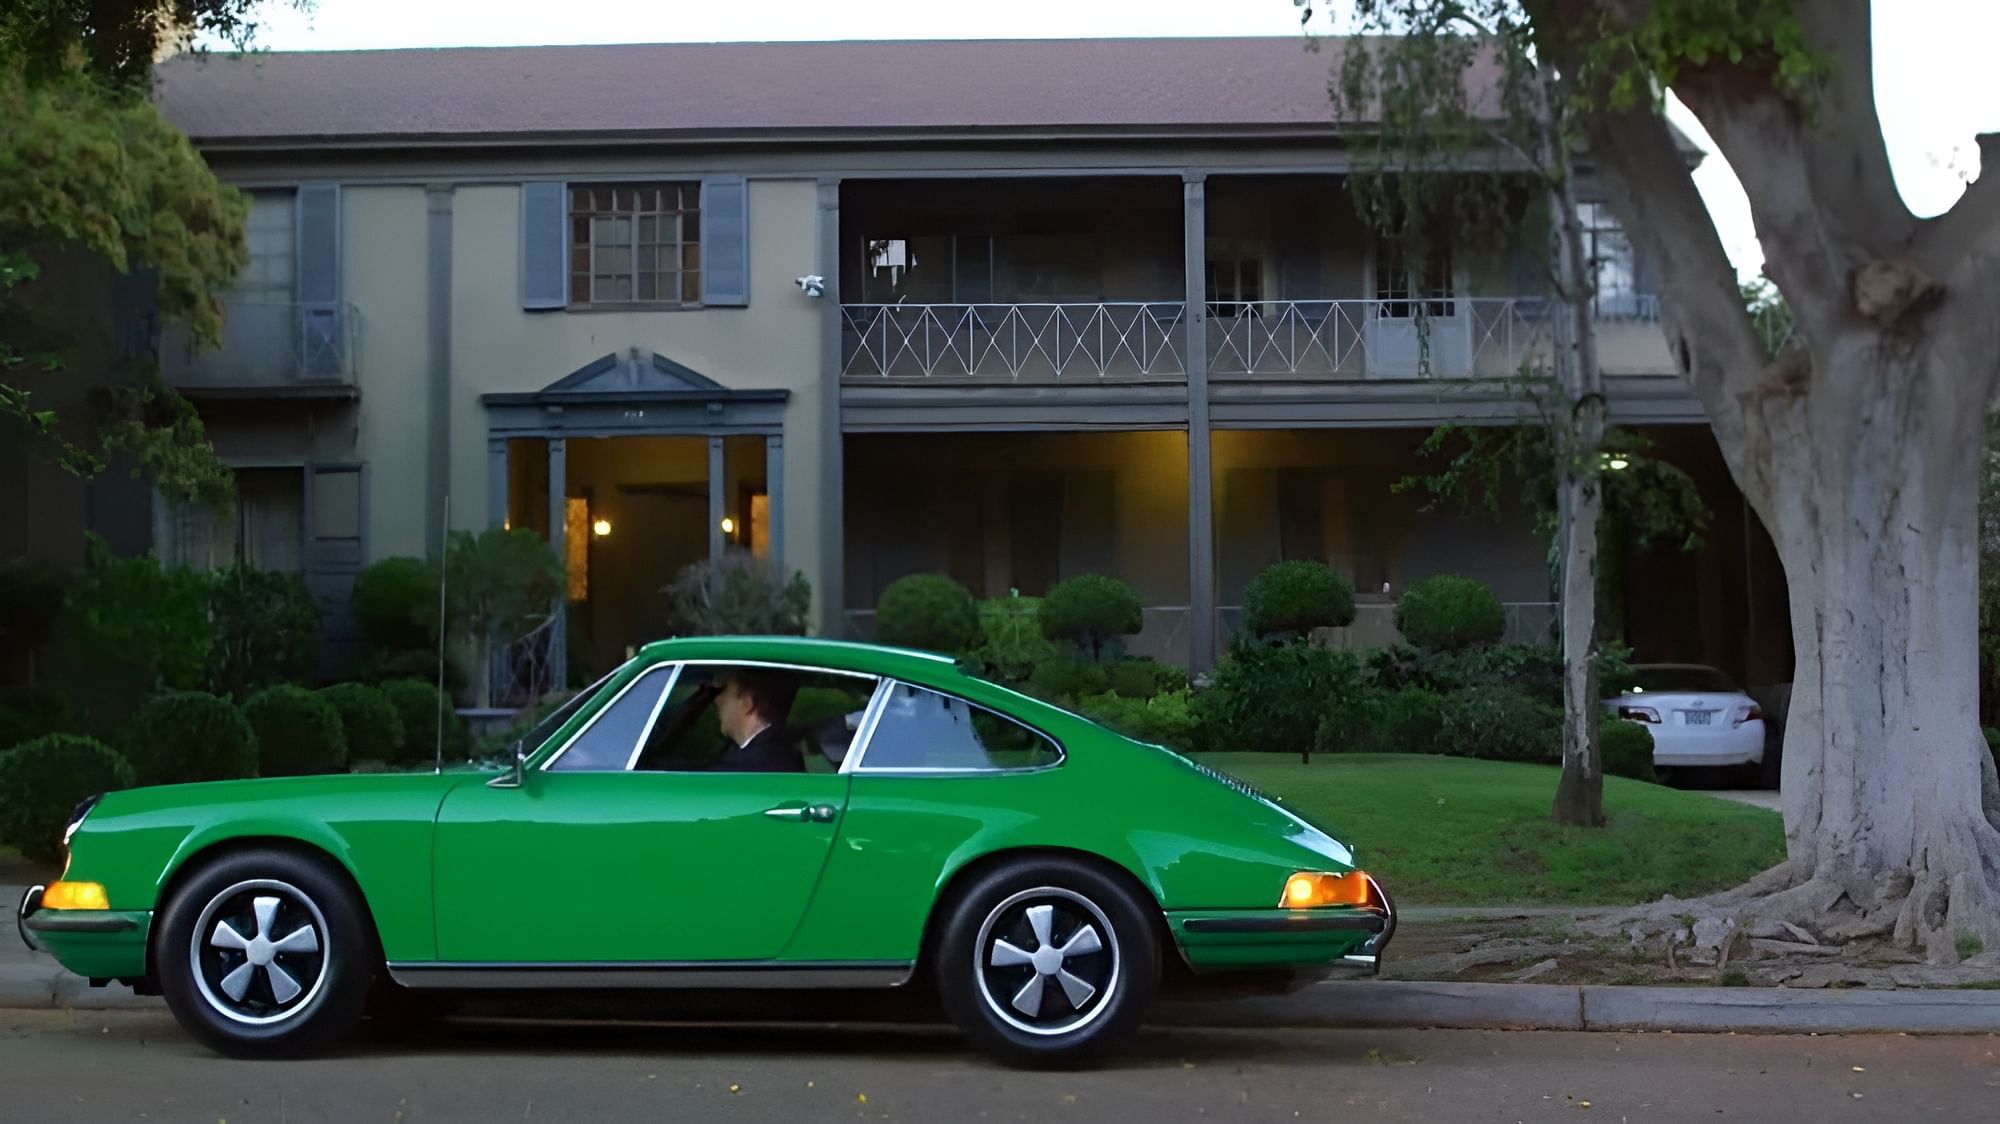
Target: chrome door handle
[(812, 813)]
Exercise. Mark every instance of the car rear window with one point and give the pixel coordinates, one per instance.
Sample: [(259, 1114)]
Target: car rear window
[(1671, 680)]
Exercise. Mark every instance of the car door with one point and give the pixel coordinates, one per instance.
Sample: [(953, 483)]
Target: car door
[(589, 860)]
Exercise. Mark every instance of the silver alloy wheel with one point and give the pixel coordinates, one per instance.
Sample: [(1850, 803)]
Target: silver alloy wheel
[(1047, 961), (259, 952)]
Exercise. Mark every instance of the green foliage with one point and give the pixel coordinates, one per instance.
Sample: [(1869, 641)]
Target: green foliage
[(1165, 719), (42, 782), (395, 604), (129, 627), (1066, 679), (370, 723), (1293, 598), (31, 597), (738, 595), (418, 704), (1627, 748), (267, 630), (1409, 721), (1013, 644), (26, 715), (1446, 613), (298, 732), (1499, 724), (494, 745), (1968, 944), (1280, 697), (1091, 611), (928, 611), (1534, 668), (116, 43), (1138, 677), (180, 737)]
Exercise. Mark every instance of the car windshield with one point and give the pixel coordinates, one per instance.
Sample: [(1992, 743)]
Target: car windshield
[(1680, 680)]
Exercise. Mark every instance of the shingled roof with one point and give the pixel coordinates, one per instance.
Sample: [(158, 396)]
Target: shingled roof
[(746, 89)]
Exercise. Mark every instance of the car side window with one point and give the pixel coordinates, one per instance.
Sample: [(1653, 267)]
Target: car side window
[(921, 730), (606, 744)]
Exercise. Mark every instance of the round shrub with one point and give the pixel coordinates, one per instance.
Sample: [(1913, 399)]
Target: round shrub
[(1278, 698), (373, 729), (395, 603), (298, 733), (1446, 613), (1012, 644), (1627, 748), (417, 704), (41, 783), (1091, 611), (183, 736), (1065, 680), (928, 611), (1293, 598), (1499, 724)]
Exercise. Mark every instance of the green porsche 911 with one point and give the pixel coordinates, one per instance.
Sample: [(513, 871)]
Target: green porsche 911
[(720, 813)]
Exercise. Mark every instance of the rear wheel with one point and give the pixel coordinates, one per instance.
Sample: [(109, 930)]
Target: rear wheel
[(264, 953), (1047, 961)]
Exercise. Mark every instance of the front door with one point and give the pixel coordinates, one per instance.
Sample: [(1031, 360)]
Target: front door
[(595, 861)]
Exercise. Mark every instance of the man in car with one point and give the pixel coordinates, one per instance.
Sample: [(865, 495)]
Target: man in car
[(752, 707)]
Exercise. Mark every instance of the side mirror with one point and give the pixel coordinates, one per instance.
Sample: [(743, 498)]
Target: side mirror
[(516, 771)]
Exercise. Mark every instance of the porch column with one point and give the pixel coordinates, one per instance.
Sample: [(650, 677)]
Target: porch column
[(558, 492), (774, 490), (1201, 511), (496, 481), (717, 501), (829, 496)]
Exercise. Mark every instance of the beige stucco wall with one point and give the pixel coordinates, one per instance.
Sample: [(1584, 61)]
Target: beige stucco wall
[(774, 343), (385, 262)]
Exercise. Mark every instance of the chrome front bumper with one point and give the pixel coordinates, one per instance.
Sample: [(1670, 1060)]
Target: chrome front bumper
[(30, 902)]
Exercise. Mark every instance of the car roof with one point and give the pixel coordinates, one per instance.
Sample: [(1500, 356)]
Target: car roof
[(844, 655)]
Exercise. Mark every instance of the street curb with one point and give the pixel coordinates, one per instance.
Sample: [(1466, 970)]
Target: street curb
[(1378, 1004)]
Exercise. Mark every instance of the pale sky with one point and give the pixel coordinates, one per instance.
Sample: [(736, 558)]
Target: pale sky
[(1935, 80)]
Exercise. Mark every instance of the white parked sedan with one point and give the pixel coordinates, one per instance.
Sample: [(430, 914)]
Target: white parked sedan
[(1697, 716)]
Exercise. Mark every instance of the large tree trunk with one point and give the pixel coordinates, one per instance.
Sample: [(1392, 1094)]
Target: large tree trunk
[(1890, 795)]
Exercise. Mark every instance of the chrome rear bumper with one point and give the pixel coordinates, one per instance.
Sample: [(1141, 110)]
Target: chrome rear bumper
[(30, 902)]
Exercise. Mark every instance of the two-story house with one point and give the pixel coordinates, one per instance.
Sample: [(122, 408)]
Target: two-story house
[(1011, 311)]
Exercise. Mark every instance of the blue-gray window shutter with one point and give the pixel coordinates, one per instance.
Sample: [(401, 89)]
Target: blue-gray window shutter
[(725, 241), (322, 329), (544, 244)]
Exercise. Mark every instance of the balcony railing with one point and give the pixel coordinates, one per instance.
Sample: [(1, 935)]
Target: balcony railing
[(1019, 342), (1465, 337), (270, 344)]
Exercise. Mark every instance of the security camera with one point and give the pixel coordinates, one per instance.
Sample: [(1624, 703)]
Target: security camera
[(812, 285)]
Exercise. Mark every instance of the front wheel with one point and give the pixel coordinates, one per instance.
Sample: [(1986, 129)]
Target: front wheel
[(1047, 962), (265, 953)]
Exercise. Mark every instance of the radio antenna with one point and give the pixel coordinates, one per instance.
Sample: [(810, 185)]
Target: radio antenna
[(443, 571)]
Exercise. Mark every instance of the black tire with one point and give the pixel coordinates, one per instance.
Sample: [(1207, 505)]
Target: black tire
[(306, 992), (989, 1001)]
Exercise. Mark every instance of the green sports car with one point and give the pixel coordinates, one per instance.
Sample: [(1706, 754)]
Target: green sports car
[(720, 813)]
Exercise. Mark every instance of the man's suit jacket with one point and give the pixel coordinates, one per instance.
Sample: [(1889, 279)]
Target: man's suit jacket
[(767, 751)]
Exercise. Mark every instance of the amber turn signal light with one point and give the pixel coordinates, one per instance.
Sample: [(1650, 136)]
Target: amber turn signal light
[(75, 895), (1311, 889)]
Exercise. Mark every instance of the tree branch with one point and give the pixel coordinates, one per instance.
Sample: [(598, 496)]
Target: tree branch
[(1714, 341)]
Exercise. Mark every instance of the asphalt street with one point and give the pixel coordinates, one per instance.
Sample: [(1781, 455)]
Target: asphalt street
[(120, 1065)]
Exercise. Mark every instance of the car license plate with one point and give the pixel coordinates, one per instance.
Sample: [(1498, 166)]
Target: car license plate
[(1696, 717)]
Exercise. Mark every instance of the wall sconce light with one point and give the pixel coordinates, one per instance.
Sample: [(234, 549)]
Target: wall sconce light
[(728, 525), (601, 528)]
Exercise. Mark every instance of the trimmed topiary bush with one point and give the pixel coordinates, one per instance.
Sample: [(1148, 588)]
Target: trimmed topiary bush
[(1446, 613), (928, 611), (1066, 680), (1092, 612), (41, 783), (267, 630), (298, 733), (1293, 598), (1627, 748), (373, 729), (416, 703), (184, 736), (1279, 697), (1012, 644), (129, 627)]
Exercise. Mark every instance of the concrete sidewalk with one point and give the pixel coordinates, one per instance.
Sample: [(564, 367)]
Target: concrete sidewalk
[(35, 980)]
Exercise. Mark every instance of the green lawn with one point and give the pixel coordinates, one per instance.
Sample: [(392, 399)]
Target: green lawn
[(1454, 831)]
